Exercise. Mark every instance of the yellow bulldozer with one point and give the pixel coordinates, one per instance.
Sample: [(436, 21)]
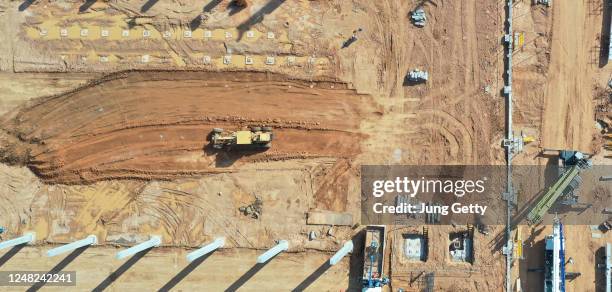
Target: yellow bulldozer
[(254, 138)]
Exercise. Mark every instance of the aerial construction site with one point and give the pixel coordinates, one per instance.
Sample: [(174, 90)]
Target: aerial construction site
[(238, 145)]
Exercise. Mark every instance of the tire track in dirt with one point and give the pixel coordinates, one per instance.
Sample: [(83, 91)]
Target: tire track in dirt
[(451, 115), (568, 115), (155, 124)]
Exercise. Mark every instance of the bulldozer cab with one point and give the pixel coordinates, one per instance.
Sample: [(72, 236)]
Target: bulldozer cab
[(264, 137), (243, 137)]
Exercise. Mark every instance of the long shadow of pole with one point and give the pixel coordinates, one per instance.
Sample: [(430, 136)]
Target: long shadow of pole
[(184, 273), (356, 261), (606, 34), (355, 266), (122, 269), (258, 16), (59, 267), (25, 4), (11, 253), (313, 277), (148, 5), (247, 276), (211, 5), (86, 5)]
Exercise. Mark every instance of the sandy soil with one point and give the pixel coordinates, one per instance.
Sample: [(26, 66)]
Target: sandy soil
[(484, 273), (98, 270), (185, 212), (450, 119), (568, 96), (143, 125), (333, 109), (15, 89)]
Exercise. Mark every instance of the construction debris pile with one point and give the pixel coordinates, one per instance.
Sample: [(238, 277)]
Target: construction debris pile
[(254, 209), (418, 17)]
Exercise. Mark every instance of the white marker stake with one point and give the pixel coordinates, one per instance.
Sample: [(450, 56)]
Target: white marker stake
[(89, 240), (153, 242), (348, 247), (282, 245), (26, 238), (219, 242)]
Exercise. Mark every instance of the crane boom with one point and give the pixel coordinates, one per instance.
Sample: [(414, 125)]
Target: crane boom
[(552, 194)]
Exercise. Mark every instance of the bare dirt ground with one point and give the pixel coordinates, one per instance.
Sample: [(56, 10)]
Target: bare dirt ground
[(125, 156), (557, 75), (144, 125), (153, 125), (569, 87), (236, 264), (17, 88), (455, 117), (484, 273)]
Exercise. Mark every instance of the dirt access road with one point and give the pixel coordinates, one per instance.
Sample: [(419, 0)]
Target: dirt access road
[(568, 105)]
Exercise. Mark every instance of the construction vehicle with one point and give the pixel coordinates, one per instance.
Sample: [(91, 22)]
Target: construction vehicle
[(374, 252), (554, 257), (573, 162), (517, 142), (484, 229), (605, 226), (548, 3), (417, 75), (255, 137), (518, 244), (519, 40), (418, 17), (572, 157)]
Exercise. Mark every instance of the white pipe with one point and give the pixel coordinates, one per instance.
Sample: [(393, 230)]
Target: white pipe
[(89, 240), (219, 242), (282, 245), (26, 238), (346, 248), (153, 242)]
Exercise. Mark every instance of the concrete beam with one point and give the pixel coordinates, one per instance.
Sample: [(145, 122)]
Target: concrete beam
[(219, 242), (29, 237), (153, 242), (346, 248), (89, 240), (282, 245)]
